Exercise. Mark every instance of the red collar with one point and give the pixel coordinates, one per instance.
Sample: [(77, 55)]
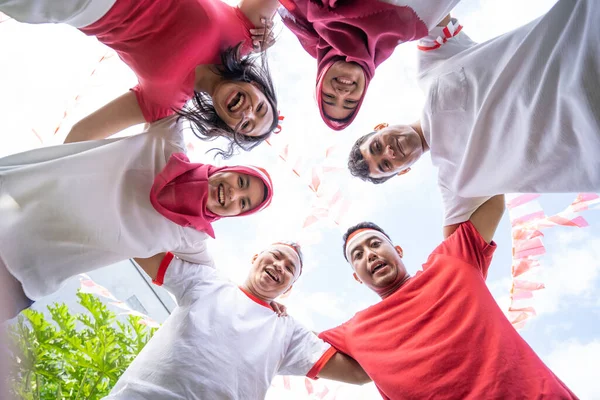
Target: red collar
[(256, 299)]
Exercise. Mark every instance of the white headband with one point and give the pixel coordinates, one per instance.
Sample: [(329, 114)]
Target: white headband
[(359, 235)]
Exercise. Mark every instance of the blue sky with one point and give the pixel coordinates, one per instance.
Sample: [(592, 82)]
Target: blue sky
[(48, 66)]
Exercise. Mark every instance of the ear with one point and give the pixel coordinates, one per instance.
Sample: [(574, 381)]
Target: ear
[(357, 278), (399, 251), (404, 171), (254, 257), (381, 126)]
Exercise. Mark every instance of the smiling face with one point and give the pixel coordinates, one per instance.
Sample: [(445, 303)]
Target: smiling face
[(392, 150), (378, 264), (243, 107), (232, 193), (273, 272), (342, 89)]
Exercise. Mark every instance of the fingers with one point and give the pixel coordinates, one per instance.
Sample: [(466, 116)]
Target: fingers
[(262, 37)]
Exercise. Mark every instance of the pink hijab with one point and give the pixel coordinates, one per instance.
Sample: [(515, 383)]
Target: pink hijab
[(362, 31), (180, 192)]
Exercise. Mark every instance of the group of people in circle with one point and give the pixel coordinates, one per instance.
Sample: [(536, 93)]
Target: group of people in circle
[(518, 113)]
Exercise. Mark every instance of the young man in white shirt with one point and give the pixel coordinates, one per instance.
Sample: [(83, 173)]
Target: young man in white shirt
[(518, 113), (225, 341)]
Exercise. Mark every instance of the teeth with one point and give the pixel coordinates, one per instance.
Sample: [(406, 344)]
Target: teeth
[(272, 276), (345, 81), (239, 103), (221, 195)]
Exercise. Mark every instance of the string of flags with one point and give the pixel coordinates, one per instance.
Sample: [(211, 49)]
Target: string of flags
[(528, 219)]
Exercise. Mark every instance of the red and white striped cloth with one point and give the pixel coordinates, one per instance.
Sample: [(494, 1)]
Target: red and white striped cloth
[(428, 43)]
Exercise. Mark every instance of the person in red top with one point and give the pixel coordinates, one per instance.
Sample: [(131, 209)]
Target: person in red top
[(179, 50), (439, 334)]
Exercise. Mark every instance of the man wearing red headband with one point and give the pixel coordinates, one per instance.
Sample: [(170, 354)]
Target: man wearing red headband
[(439, 334), (225, 341), (519, 113)]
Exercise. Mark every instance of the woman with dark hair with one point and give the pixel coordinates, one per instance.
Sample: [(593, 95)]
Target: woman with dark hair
[(76, 207), (349, 39), (179, 50)]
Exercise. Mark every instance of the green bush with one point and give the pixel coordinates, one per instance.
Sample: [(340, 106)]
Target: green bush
[(77, 356)]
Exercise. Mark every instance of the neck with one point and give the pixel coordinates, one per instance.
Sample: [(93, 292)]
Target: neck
[(247, 286), (392, 289), (417, 127), (207, 79)]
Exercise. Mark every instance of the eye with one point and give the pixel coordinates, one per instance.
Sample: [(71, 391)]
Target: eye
[(260, 107), (245, 125), (375, 243), (351, 101), (276, 256), (377, 146), (243, 204), (357, 255), (289, 268), (387, 165), (240, 182), (328, 96)]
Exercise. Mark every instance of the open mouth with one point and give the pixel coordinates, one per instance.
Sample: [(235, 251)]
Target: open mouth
[(272, 275), (400, 148), (344, 82), (379, 265), (236, 102), (221, 194)]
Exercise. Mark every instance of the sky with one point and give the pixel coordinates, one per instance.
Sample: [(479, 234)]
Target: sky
[(51, 76)]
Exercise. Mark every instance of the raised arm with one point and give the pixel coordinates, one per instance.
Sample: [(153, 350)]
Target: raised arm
[(257, 9), (151, 265), (485, 219), (343, 368), (119, 114)]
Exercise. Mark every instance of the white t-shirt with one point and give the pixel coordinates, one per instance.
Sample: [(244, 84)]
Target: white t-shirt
[(73, 208), (219, 343), (430, 12), (519, 113)]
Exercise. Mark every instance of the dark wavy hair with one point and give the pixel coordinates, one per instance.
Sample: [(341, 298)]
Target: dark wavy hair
[(204, 120), (358, 166), (362, 225)]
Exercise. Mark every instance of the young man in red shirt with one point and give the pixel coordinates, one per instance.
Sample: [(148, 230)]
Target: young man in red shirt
[(439, 334)]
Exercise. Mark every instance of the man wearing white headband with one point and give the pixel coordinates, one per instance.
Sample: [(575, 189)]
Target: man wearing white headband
[(225, 341), (439, 334)]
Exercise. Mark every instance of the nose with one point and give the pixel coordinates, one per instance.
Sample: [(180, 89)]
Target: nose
[(390, 152), (371, 256), (248, 112), (233, 194)]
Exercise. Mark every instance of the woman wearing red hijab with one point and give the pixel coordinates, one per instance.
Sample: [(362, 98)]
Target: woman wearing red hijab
[(180, 50), (68, 209), (349, 39)]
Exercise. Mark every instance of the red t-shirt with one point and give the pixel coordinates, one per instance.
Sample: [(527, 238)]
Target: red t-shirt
[(163, 41), (443, 336)]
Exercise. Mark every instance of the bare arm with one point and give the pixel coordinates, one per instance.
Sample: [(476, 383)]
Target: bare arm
[(343, 368), (119, 114), (485, 219), (151, 265), (257, 9), (445, 21)]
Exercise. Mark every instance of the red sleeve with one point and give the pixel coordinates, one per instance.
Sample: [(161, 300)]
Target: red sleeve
[(162, 269), (337, 338), (467, 244), (314, 371), (151, 111)]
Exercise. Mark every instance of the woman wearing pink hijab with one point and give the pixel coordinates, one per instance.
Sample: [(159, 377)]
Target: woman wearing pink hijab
[(73, 208), (349, 39)]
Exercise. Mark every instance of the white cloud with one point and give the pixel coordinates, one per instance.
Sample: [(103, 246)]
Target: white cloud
[(577, 365)]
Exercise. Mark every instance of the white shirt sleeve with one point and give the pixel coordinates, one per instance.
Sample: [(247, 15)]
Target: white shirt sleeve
[(181, 277), (199, 255), (441, 44), (304, 351), (459, 209)]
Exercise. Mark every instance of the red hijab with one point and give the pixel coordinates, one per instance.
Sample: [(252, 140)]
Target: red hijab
[(362, 31), (180, 192)]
